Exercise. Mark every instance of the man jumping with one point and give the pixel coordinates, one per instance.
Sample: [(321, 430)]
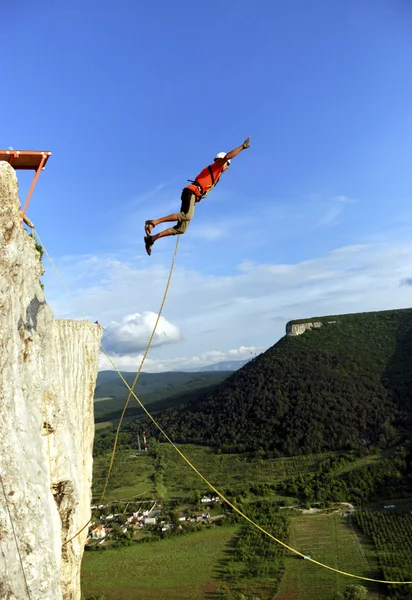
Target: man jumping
[(199, 188)]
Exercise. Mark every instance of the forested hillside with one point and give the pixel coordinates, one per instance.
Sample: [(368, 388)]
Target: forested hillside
[(345, 385)]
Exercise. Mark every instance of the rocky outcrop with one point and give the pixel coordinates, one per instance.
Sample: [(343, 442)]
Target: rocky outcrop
[(293, 328), (48, 370)]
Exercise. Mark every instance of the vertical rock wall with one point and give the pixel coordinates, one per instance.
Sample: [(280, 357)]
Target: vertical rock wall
[(48, 370)]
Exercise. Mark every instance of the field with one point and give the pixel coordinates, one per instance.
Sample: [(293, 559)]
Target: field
[(181, 568), (133, 475), (391, 532), (332, 540), (188, 567)]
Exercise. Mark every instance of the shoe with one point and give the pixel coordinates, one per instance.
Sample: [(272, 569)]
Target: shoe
[(147, 226), (148, 242)]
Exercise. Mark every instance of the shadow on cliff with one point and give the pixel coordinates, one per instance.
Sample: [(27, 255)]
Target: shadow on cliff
[(32, 312)]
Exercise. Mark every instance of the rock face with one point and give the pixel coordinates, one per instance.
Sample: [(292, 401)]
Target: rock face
[(48, 370), (299, 328)]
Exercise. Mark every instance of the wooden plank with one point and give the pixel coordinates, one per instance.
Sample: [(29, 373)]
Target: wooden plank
[(26, 160)]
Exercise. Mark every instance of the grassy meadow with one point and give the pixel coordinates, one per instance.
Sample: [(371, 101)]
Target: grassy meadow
[(181, 568)]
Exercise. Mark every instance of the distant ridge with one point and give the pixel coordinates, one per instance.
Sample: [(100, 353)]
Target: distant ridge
[(157, 390), (225, 365)]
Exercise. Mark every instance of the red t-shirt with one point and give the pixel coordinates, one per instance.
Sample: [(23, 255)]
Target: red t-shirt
[(207, 179)]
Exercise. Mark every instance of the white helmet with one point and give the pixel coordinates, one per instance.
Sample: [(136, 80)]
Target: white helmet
[(222, 155)]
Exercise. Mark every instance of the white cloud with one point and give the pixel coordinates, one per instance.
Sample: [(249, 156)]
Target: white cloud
[(243, 352), (330, 215), (158, 364), (214, 314), (335, 209), (345, 199), (132, 332)]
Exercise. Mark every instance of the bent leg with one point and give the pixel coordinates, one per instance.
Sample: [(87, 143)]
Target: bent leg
[(164, 233), (150, 224), (168, 219), (183, 219), (187, 210)]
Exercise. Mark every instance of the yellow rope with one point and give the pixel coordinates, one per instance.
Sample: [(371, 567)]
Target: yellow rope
[(140, 369), (210, 485)]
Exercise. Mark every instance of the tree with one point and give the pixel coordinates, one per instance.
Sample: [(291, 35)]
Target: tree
[(355, 592), (195, 497)]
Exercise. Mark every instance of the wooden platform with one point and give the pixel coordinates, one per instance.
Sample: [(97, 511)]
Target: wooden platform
[(27, 160)]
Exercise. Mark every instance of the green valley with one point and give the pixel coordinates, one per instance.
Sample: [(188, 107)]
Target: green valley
[(310, 440)]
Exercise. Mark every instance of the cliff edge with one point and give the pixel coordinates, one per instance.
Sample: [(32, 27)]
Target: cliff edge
[(48, 370), (295, 328)]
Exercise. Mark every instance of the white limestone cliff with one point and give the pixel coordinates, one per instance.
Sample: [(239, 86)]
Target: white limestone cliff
[(48, 370), (294, 328)]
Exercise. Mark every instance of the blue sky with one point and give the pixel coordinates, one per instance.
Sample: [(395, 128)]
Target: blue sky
[(133, 99)]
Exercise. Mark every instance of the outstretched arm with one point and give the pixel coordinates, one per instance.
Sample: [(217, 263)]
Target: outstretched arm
[(237, 151)]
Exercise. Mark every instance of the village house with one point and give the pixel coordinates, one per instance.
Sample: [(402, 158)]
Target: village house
[(99, 532)]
